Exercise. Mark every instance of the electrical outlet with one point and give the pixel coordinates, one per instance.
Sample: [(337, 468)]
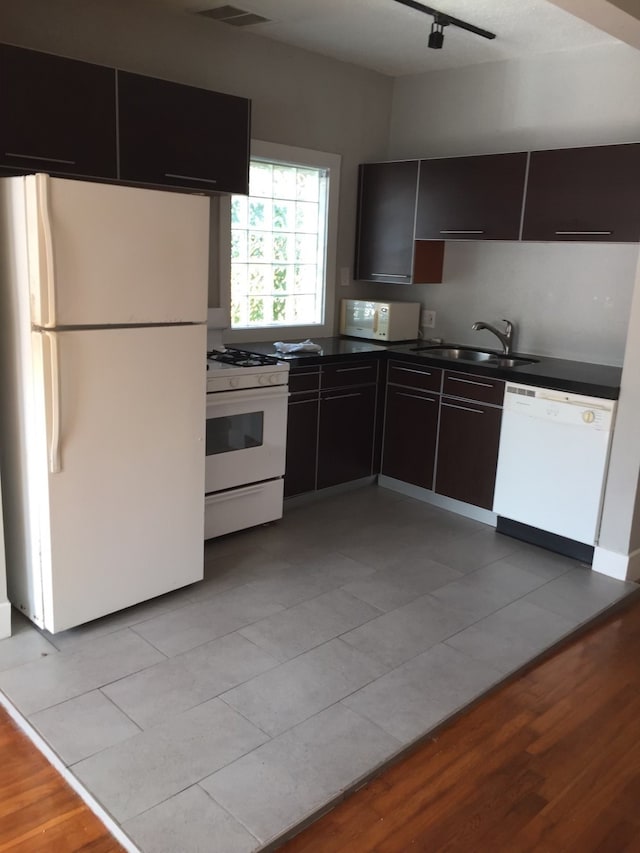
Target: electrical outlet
[(427, 319), (345, 278)]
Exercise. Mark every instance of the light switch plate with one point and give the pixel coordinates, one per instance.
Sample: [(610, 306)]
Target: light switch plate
[(345, 278), (427, 319)]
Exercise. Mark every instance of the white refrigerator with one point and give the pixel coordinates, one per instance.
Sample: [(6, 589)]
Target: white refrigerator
[(102, 410)]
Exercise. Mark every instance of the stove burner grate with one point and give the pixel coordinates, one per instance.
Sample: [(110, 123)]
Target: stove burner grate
[(242, 358)]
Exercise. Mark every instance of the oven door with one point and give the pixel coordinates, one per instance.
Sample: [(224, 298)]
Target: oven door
[(246, 437)]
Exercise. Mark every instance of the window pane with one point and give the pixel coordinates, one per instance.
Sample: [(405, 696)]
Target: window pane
[(284, 182), (278, 246), (260, 179), (239, 211)]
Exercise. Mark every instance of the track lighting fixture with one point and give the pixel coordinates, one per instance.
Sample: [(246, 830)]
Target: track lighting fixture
[(440, 21), (436, 36)]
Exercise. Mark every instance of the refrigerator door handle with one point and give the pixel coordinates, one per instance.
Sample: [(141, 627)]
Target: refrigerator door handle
[(47, 270), (55, 464)]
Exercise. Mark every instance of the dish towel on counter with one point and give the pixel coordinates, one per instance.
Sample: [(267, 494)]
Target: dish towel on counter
[(303, 346)]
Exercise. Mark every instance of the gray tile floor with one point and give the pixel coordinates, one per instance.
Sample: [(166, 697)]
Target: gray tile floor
[(317, 648)]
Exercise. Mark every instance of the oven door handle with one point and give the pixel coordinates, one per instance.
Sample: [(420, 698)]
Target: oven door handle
[(233, 494), (216, 398)]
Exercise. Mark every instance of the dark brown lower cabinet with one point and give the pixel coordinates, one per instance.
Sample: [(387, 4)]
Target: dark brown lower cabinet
[(410, 433), (302, 443), (468, 442), (345, 435)]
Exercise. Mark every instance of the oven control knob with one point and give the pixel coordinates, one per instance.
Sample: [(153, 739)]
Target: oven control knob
[(588, 417), (233, 381)]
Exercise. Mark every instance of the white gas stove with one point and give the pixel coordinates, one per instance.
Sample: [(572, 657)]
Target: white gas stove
[(246, 432)]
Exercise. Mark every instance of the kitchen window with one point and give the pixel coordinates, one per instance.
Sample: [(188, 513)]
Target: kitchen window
[(283, 243)]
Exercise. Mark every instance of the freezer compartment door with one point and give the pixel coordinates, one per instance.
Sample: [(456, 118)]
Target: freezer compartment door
[(102, 255), (123, 516)]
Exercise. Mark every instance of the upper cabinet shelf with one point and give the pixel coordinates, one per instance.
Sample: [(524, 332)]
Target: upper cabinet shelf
[(73, 118), (584, 194), (58, 115), (385, 247), (471, 198), (182, 136)]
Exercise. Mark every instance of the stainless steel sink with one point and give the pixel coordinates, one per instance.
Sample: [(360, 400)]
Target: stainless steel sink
[(458, 353), (463, 354)]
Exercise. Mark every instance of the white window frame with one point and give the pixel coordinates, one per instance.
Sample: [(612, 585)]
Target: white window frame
[(274, 152)]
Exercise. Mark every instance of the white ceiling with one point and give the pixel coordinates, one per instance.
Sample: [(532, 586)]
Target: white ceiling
[(391, 38)]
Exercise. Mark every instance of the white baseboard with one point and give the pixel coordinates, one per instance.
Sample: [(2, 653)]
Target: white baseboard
[(5, 619), (623, 567), (468, 510)]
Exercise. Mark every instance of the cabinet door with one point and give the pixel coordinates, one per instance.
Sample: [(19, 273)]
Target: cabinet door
[(182, 136), (471, 198), (58, 115), (584, 194), (386, 210), (302, 442), (468, 442), (410, 431), (345, 435)]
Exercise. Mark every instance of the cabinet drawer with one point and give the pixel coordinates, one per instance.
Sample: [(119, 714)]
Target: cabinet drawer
[(349, 373), (305, 380), (414, 375), (473, 387)]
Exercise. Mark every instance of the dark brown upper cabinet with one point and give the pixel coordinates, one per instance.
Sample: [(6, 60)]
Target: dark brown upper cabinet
[(589, 194), (58, 115), (182, 136), (471, 198), (385, 247)]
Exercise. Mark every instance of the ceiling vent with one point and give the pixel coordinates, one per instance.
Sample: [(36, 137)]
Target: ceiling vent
[(234, 16)]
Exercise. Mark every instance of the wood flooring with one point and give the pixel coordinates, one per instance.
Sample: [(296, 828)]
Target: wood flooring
[(550, 762), (39, 812)]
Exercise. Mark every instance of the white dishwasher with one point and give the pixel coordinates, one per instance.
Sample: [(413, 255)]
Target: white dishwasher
[(552, 461)]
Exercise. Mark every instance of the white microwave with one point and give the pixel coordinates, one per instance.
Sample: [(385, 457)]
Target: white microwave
[(379, 321)]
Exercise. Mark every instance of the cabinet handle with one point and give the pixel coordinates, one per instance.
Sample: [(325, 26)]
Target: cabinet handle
[(416, 397), (459, 231), (389, 274), (343, 396), (464, 408), (471, 382), (302, 402), (413, 370), (584, 232), (35, 157), (348, 369), (190, 178)]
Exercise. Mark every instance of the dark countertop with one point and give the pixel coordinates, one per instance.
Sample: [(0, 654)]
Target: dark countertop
[(594, 380), (333, 349)]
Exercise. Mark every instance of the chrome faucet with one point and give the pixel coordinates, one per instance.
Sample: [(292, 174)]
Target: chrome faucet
[(505, 338)]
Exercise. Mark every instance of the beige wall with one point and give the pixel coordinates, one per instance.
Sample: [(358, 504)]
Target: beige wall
[(298, 98)]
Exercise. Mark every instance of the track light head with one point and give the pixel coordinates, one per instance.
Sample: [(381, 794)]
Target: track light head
[(436, 36)]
